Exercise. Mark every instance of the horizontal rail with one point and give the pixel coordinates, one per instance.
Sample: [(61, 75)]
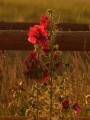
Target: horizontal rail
[(67, 40), (61, 26)]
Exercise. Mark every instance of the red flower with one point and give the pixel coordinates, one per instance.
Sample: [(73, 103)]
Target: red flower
[(32, 61), (32, 55), (35, 70), (45, 47), (45, 21), (37, 35), (31, 65), (76, 107), (65, 103)]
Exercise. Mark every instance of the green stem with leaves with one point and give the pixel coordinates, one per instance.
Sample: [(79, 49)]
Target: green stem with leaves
[(38, 52), (51, 87), (51, 66)]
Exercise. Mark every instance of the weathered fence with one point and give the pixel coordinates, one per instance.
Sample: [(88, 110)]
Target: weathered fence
[(72, 36)]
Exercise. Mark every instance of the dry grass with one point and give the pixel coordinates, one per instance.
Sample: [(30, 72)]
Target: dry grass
[(77, 86)]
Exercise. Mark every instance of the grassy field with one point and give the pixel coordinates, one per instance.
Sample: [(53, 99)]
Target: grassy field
[(15, 86), (31, 10)]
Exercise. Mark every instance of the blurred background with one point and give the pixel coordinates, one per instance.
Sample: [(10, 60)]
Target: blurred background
[(77, 11), (31, 10)]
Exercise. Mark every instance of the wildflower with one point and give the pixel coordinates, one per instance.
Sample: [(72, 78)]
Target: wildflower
[(45, 21), (42, 74), (45, 47), (76, 107), (34, 69), (32, 55), (87, 99), (37, 35), (31, 66), (65, 103)]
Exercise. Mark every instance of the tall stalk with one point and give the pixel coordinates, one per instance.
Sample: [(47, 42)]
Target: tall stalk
[(37, 102), (51, 65), (51, 96), (51, 85), (37, 96)]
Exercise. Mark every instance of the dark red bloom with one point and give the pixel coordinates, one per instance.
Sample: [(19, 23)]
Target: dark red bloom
[(37, 35), (31, 66), (31, 62), (45, 47), (76, 107), (44, 71), (65, 103), (32, 55), (45, 21), (34, 69)]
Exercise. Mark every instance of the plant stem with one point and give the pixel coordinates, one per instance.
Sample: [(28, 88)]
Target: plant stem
[(37, 102), (51, 100), (37, 88), (51, 69)]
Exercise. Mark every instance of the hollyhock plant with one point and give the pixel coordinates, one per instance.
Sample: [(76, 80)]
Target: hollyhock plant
[(76, 107), (44, 64), (45, 21), (42, 75), (37, 35), (45, 47), (34, 69), (34, 72), (41, 67), (32, 55)]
